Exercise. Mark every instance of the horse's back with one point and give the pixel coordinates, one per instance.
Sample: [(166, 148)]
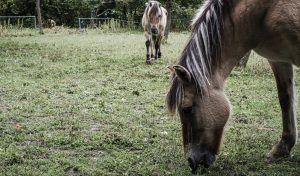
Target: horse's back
[(281, 41)]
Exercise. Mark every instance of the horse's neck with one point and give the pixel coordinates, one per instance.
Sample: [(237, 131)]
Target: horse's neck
[(242, 31)]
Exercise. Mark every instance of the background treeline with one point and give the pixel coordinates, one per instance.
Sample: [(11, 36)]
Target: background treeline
[(67, 12)]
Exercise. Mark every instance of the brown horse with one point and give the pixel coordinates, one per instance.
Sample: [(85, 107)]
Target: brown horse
[(154, 23), (223, 32)]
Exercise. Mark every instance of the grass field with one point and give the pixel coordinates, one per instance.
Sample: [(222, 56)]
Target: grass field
[(87, 104)]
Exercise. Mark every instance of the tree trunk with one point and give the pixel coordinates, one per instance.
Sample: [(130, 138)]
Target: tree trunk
[(169, 9), (39, 16)]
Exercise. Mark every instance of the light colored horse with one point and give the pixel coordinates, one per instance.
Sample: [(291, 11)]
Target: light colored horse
[(154, 23), (223, 32)]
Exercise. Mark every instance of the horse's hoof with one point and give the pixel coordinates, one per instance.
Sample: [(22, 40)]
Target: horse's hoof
[(279, 151), (270, 159), (148, 62), (194, 172)]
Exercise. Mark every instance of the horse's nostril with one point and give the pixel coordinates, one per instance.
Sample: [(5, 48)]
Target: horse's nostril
[(154, 31), (204, 159), (209, 159)]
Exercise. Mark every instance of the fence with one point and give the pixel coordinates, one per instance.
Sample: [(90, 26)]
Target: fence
[(109, 24), (105, 24), (19, 22)]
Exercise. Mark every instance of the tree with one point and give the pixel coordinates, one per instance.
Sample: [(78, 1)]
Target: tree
[(169, 9), (67, 12), (39, 16)]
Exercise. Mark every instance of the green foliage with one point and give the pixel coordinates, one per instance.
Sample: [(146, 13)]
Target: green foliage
[(17, 7), (68, 12), (63, 12)]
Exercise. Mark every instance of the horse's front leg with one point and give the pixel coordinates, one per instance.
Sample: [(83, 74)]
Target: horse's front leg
[(151, 47), (157, 47), (148, 42), (283, 73)]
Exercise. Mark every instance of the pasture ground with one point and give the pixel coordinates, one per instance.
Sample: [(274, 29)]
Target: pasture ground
[(87, 104)]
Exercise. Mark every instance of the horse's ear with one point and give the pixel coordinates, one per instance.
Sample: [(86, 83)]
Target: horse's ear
[(150, 4), (171, 68), (183, 74)]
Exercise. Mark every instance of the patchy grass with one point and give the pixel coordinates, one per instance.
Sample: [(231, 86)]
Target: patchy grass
[(87, 104)]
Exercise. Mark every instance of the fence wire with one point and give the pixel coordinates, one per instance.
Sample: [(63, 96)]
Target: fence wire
[(109, 24), (19, 22), (105, 24)]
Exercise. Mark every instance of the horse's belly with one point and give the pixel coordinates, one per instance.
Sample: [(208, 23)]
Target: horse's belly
[(280, 50)]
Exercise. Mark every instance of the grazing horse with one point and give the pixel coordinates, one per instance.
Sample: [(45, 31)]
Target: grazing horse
[(223, 31), (154, 23)]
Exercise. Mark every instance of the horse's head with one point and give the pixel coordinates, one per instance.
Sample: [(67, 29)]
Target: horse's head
[(154, 15), (203, 116)]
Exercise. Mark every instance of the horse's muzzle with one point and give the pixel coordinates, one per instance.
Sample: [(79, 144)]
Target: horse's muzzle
[(154, 31), (204, 158)]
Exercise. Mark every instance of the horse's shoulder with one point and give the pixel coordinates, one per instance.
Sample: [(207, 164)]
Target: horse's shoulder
[(281, 19), (164, 10)]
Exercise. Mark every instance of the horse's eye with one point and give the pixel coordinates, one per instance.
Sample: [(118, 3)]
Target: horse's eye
[(187, 110), (159, 16)]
